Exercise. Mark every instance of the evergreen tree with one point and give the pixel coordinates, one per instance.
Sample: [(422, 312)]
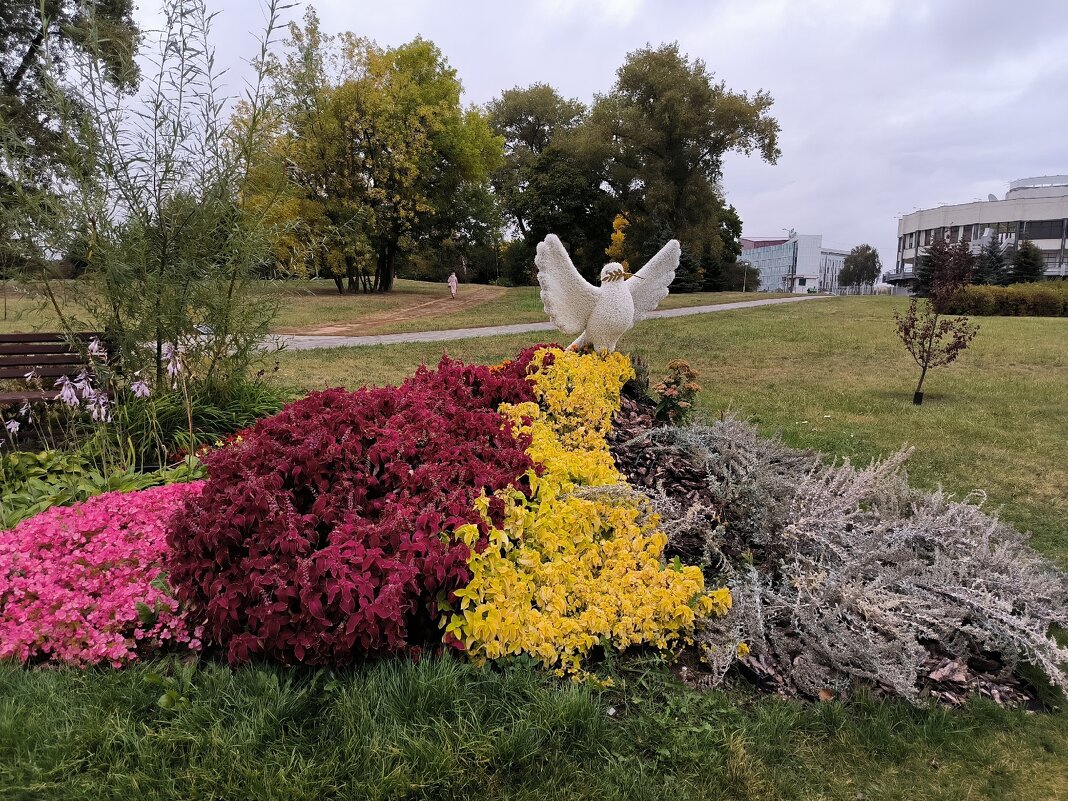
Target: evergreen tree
[(1028, 263), (932, 263), (688, 275), (960, 268), (990, 265)]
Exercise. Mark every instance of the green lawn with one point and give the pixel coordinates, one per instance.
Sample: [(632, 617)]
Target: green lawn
[(442, 729), (830, 375), (412, 306)]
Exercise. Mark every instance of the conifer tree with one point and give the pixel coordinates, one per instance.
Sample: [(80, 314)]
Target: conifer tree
[(932, 263), (990, 265), (1028, 263)]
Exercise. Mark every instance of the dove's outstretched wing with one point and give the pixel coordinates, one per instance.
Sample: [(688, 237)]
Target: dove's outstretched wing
[(649, 285), (566, 295)]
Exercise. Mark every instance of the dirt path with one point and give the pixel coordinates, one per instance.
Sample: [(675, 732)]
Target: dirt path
[(470, 295)]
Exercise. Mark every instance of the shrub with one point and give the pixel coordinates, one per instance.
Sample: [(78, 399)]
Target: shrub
[(319, 537), (1041, 299), (577, 563), (84, 584), (846, 574)]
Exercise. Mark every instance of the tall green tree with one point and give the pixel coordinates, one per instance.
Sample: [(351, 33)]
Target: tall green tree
[(933, 263), (717, 263), (861, 266), (663, 131), (153, 191), (990, 267), (379, 153), (1028, 263), (550, 181), (40, 41)]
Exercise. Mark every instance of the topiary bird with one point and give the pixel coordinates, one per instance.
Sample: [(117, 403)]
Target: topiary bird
[(601, 315)]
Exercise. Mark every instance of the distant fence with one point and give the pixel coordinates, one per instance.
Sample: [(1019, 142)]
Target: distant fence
[(868, 289)]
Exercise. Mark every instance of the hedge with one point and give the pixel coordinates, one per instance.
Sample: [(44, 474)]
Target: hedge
[(1043, 299)]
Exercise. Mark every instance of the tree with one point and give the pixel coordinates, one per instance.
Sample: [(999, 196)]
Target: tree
[(933, 263), (153, 199), (662, 131), (551, 181), (40, 43), (1028, 263), (718, 258), (960, 268), (379, 155), (741, 277), (990, 265), (932, 339), (861, 266)]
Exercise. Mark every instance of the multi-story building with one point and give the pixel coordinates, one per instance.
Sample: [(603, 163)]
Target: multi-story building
[(797, 264), (1033, 208)]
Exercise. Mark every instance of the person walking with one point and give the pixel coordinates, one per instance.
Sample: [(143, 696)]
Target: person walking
[(453, 281)]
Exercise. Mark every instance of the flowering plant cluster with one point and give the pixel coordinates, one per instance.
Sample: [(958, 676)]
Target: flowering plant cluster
[(577, 562), (319, 537), (482, 501), (84, 584), (676, 393)]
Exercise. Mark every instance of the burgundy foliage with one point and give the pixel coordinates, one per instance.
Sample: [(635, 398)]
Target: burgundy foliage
[(322, 536)]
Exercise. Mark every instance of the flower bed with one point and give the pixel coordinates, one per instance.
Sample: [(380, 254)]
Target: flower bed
[(578, 561), (84, 584), (320, 537)]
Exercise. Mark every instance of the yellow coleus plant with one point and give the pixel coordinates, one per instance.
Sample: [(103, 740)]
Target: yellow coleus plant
[(580, 562)]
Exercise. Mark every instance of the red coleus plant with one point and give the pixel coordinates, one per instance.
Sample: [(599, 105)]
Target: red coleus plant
[(322, 535)]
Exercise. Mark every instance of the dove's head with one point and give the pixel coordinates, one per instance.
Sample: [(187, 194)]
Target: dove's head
[(613, 271)]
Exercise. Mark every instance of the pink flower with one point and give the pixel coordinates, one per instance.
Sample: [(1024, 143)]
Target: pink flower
[(67, 393), (84, 584)]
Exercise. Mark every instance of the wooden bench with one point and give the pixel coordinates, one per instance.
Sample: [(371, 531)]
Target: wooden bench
[(51, 355)]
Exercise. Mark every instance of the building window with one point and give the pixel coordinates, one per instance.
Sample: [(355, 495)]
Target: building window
[(928, 236), (1044, 229), (801, 281), (954, 233)]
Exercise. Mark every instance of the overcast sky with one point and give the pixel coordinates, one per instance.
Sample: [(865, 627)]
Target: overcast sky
[(884, 106)]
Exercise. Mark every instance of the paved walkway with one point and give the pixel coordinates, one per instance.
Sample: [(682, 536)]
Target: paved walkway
[(303, 342)]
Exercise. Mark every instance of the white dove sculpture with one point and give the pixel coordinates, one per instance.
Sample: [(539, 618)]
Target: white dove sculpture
[(601, 315)]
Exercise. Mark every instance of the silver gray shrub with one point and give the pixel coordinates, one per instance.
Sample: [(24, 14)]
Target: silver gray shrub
[(843, 574)]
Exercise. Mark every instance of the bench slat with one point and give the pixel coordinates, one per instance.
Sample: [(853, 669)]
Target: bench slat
[(32, 360), (24, 348), (53, 371), (16, 398), (45, 336)]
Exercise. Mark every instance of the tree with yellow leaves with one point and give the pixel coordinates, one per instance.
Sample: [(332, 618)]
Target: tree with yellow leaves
[(374, 154)]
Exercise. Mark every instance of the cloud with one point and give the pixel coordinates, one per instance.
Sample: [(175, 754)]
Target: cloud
[(884, 106)]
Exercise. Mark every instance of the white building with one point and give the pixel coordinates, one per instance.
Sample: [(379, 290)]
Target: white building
[(1033, 208), (798, 264)]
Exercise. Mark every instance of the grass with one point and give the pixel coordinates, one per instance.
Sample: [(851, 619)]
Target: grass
[(500, 306), (443, 729), (830, 375), (412, 306)]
